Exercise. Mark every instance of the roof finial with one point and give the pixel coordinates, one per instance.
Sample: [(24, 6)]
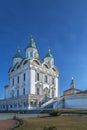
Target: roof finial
[(18, 51), (49, 50), (18, 55), (31, 39), (72, 78)]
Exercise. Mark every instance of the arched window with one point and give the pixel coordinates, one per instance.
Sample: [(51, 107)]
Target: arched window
[(13, 82), (52, 80), (45, 79), (31, 54), (37, 76), (23, 91), (24, 77), (18, 79)]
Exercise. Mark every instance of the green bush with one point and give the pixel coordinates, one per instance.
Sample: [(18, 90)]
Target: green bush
[(55, 113)]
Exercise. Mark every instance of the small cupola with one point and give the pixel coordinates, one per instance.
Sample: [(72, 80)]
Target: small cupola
[(49, 54), (49, 58), (17, 58)]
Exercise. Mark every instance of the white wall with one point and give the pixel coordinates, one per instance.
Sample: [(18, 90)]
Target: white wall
[(73, 101), (76, 101), (59, 103), (27, 82), (56, 86), (32, 81)]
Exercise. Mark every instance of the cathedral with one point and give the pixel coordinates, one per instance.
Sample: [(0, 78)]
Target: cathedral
[(30, 80), (34, 84)]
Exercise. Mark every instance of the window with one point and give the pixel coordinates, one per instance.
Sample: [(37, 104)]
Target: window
[(13, 82), (3, 106), (23, 91), (17, 92), (38, 76), (18, 80), (45, 79), (24, 77), (52, 80), (30, 54), (38, 91), (10, 106)]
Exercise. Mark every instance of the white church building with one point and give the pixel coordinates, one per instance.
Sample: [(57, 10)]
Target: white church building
[(34, 84), (30, 80)]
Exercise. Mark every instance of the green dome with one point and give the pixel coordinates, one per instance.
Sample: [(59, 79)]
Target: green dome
[(49, 54), (32, 43), (18, 55)]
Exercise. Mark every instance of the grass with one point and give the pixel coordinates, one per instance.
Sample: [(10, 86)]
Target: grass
[(73, 111), (60, 122)]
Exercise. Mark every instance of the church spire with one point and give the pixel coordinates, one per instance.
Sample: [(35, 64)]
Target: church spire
[(72, 83)]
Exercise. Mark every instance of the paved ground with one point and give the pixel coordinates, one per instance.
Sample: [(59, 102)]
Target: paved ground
[(6, 124), (5, 116)]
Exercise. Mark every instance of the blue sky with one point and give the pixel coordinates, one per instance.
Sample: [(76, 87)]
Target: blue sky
[(58, 24)]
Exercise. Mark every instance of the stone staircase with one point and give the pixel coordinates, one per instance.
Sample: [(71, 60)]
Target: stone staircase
[(47, 106), (59, 103)]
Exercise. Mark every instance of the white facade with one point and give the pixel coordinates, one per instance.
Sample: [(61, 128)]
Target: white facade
[(76, 101), (72, 101), (30, 80)]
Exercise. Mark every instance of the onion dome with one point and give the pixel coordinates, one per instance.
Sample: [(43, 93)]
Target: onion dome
[(49, 54), (32, 43), (49, 58), (17, 58), (18, 55)]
